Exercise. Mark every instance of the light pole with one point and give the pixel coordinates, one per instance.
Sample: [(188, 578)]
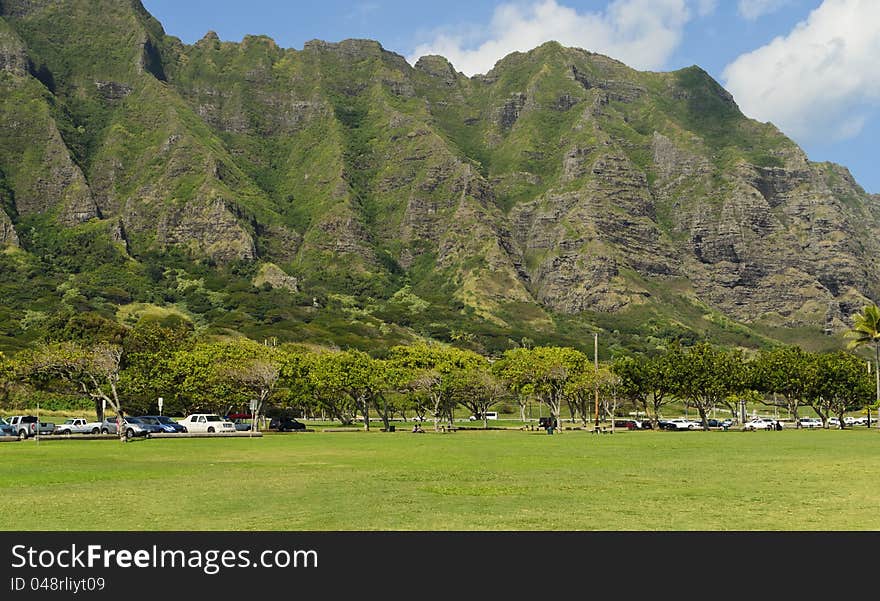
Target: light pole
[(877, 378)]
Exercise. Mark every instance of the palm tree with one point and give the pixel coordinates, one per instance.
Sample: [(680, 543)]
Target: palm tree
[(866, 330)]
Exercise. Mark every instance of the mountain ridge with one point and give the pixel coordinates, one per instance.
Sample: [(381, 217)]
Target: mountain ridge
[(561, 184)]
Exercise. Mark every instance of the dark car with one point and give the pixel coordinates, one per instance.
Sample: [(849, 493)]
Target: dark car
[(286, 424), (166, 424), (720, 423), (547, 422), (632, 424)]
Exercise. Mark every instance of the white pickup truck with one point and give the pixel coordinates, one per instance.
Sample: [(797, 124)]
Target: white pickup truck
[(28, 425), (78, 425)]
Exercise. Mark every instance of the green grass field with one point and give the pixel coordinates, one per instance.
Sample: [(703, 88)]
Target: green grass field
[(468, 480)]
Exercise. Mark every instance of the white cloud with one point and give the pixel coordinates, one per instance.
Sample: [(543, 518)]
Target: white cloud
[(821, 82), (753, 9), (641, 33), (706, 7)]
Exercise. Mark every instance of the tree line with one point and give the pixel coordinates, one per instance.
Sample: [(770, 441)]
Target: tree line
[(129, 370)]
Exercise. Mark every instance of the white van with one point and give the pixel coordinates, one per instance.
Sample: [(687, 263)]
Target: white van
[(489, 415)]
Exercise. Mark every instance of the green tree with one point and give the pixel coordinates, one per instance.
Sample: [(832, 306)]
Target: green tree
[(322, 380), (648, 381), (355, 375), (149, 347), (429, 369), (93, 371), (838, 382), (477, 390), (580, 392), (260, 377), (705, 376), (201, 378), (296, 391), (609, 392), (544, 371), (7, 376), (866, 331), (782, 371)]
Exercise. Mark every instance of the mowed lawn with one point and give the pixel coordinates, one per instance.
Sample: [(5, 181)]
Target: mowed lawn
[(493, 480)]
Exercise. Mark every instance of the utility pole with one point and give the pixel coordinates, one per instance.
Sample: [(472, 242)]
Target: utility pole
[(596, 362), (877, 377)]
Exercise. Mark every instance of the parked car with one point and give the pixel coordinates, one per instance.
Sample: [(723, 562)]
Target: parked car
[(286, 424), (6, 428), (149, 427), (167, 424), (632, 424), (680, 423), (546, 422), (760, 423), (809, 422), (489, 415), (860, 421), (207, 422), (131, 427), (242, 424), (720, 423), (833, 422), (242, 421), (28, 425), (78, 425)]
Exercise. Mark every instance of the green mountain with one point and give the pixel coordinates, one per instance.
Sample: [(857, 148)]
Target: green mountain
[(336, 194)]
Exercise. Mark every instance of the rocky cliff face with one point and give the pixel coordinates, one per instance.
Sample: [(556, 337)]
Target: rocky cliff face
[(562, 180), (8, 237)]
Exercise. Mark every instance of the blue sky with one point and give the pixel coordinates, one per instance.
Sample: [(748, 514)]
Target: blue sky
[(809, 66)]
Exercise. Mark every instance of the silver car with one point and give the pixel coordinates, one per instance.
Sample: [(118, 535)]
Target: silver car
[(130, 426)]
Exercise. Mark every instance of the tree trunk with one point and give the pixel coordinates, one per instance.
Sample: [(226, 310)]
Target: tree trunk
[(571, 409), (436, 413), (703, 417), (555, 417), (120, 431), (385, 421), (366, 406), (655, 419), (793, 409)]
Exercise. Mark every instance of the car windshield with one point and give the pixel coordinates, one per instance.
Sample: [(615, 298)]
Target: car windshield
[(164, 419), (214, 418), (133, 420), (148, 420)]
